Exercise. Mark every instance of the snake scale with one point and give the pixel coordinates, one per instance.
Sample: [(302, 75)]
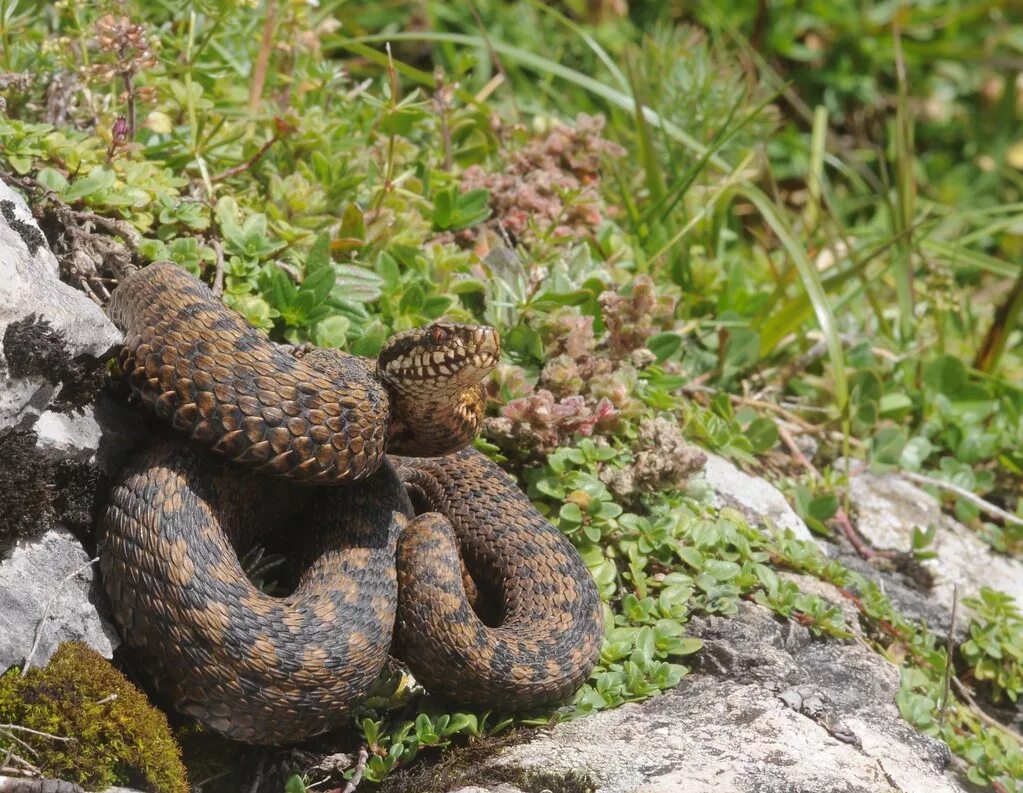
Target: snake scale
[(434, 555)]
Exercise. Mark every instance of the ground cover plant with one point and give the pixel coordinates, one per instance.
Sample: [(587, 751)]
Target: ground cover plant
[(788, 233)]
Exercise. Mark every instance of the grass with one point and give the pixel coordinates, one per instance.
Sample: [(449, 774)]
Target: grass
[(798, 222)]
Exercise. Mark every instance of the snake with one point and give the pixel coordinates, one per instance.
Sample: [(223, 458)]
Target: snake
[(408, 541)]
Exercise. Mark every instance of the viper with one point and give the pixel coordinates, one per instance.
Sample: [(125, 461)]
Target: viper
[(408, 542)]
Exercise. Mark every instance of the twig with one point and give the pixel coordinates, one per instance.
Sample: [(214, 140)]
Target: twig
[(949, 648), (46, 613), (258, 779), (129, 90), (790, 442), (442, 103), (360, 769), (984, 506), (859, 544), (41, 734), (12, 737), (263, 57), (964, 692), (234, 170), (218, 276), (219, 775), (492, 85), (21, 761)]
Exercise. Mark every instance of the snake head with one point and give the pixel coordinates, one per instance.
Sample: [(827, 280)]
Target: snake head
[(439, 359), (434, 375)]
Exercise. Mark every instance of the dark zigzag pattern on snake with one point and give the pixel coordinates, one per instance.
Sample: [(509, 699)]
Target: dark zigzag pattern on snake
[(274, 670)]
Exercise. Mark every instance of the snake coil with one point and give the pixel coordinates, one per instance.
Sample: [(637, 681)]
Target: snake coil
[(486, 602)]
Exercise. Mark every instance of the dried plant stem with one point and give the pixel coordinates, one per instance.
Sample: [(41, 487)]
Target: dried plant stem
[(973, 498), (360, 769), (46, 613), (263, 57), (129, 90), (949, 649), (990, 721), (494, 58), (218, 276), (244, 166), (257, 780)]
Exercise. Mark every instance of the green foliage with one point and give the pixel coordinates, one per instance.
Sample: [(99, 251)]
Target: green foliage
[(107, 732), (994, 650), (709, 257)]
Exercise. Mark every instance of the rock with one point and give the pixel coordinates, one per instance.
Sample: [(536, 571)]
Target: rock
[(498, 789), (60, 440), (907, 595), (890, 508), (773, 710), (73, 435), (30, 287), (51, 576), (20, 785), (759, 501), (102, 434)]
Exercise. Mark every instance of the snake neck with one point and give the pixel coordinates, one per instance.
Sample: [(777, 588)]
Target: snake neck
[(427, 425)]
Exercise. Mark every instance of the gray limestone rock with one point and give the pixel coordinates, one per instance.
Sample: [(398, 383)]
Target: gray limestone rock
[(890, 508), (30, 286), (774, 710), (758, 500), (47, 585)]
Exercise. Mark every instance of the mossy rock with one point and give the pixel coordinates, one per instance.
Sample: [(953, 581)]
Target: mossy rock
[(118, 737)]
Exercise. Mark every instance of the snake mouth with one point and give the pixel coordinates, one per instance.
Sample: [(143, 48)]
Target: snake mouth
[(442, 354)]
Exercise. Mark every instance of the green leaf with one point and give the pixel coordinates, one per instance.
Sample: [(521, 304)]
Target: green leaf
[(318, 284), (52, 179), (721, 569), (358, 283), (887, 445), (97, 179), (319, 256), (372, 339), (823, 507), (946, 375), (353, 224), (664, 345), (762, 434), (295, 785), (915, 452), (895, 406), (332, 331)]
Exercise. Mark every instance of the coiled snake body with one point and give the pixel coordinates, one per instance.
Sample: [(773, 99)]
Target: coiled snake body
[(488, 604)]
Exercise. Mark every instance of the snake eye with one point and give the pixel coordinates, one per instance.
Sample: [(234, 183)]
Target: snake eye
[(437, 335)]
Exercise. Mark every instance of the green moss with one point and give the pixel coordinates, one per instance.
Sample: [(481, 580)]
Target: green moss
[(118, 737)]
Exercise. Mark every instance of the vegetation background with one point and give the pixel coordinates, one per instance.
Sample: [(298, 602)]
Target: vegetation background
[(788, 230)]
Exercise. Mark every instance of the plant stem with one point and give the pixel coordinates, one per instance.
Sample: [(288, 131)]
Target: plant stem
[(5, 36), (129, 90), (262, 57), (1005, 320)]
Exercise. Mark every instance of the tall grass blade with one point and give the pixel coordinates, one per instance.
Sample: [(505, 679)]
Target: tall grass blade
[(811, 284)]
